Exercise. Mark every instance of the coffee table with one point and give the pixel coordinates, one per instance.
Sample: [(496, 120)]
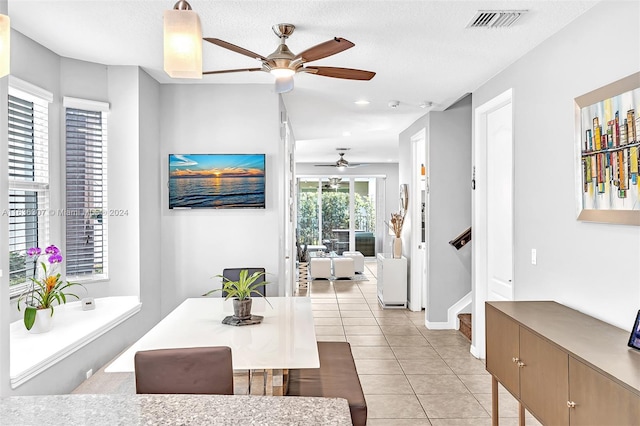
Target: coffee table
[(285, 339)]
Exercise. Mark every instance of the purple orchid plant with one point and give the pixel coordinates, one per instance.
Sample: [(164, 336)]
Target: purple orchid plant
[(46, 290)]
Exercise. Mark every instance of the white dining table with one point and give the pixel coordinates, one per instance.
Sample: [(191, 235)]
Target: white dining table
[(285, 339)]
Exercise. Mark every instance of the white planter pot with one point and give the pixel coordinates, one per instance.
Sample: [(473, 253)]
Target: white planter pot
[(44, 321)]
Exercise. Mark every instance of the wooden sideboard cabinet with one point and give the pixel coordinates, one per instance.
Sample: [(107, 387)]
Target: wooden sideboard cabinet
[(565, 367)]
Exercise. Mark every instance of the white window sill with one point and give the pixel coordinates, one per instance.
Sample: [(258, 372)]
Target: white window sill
[(73, 328)]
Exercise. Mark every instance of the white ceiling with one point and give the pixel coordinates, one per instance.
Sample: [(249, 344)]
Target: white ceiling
[(421, 51)]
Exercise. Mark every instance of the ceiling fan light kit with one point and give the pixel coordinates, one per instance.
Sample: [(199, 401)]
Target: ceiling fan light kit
[(284, 64), (5, 45), (182, 42)]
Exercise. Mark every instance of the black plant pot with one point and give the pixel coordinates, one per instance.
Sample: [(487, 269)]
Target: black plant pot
[(242, 308)]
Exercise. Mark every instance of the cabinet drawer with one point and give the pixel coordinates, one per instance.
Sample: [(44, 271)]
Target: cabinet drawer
[(599, 400)]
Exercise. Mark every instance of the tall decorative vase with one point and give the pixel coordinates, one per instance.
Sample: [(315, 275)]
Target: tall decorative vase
[(397, 248), (44, 321)]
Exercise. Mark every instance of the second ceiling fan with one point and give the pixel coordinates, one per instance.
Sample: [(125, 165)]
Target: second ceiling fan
[(284, 64), (342, 163)]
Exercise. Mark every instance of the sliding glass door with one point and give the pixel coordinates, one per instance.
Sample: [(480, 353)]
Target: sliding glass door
[(337, 214)]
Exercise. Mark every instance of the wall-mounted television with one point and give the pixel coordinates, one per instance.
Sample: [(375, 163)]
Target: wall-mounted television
[(216, 181)]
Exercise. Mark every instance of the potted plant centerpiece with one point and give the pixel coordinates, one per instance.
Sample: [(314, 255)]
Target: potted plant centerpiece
[(45, 290), (240, 291)]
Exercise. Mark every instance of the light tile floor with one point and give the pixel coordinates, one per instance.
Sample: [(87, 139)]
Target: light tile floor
[(410, 375)]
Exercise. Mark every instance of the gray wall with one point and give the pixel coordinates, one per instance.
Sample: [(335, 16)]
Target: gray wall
[(591, 267), (128, 126), (4, 224), (163, 256), (449, 270), (448, 161), (150, 189), (198, 244)]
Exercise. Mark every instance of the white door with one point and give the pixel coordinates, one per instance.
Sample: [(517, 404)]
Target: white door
[(417, 205), (492, 276), (499, 204)]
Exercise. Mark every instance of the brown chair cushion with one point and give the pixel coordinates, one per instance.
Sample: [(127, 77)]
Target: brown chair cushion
[(205, 370), (336, 378)]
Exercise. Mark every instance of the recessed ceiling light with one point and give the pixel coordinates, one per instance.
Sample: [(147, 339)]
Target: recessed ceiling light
[(362, 102)]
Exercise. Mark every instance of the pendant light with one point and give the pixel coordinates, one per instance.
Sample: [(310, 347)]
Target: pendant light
[(182, 42), (5, 44)]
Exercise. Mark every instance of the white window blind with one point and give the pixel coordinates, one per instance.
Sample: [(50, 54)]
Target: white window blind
[(28, 179), (86, 192)]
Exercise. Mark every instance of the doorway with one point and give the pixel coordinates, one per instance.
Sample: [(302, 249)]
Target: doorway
[(337, 214), (492, 211)]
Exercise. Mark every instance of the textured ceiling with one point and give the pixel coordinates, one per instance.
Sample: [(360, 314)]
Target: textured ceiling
[(421, 51)]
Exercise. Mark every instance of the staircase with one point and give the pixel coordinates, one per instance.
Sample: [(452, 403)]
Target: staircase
[(465, 325)]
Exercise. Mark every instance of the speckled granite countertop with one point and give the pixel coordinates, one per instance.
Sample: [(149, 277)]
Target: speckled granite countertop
[(71, 410)]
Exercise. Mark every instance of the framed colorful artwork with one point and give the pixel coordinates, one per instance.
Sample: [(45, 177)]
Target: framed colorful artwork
[(608, 153)]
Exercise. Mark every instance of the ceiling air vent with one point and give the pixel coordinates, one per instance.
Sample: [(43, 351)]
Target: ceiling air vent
[(495, 18)]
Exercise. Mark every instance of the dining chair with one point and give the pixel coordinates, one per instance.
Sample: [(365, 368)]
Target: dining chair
[(233, 274), (203, 370)]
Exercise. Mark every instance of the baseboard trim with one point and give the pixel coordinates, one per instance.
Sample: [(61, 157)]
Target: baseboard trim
[(474, 351), (452, 323), (438, 325)]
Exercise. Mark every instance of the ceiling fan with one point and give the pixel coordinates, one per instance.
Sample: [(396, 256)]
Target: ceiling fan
[(334, 183), (284, 64), (341, 163)]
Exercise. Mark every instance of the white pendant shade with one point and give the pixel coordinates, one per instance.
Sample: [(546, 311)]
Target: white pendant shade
[(182, 44), (5, 45)]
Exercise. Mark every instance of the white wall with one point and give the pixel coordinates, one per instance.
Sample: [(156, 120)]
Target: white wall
[(198, 244), (391, 190), (591, 267)]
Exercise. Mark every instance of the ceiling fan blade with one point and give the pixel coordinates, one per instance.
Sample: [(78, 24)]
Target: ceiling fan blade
[(229, 71), (235, 48), (322, 50), (325, 165), (346, 73), (284, 84)]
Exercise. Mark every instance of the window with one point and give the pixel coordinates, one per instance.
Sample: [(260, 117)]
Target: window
[(28, 151), (86, 189)]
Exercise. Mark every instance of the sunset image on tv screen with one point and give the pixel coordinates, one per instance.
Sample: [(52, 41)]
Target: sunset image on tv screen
[(216, 181)]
